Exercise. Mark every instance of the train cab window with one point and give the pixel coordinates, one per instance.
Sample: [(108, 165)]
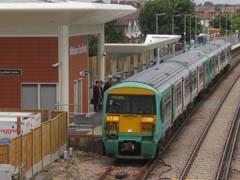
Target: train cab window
[(178, 95), (131, 104), (118, 104), (166, 107), (187, 87), (194, 80)]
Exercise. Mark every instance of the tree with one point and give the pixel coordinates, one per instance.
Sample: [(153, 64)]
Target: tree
[(208, 3), (112, 35), (221, 21), (147, 17), (236, 21)]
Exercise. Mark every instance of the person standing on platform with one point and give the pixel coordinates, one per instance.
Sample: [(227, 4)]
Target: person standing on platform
[(96, 96), (101, 93), (108, 84)]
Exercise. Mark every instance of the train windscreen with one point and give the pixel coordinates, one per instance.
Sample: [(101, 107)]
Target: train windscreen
[(131, 104)]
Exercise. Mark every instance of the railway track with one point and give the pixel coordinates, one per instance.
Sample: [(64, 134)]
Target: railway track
[(208, 158), (148, 173)]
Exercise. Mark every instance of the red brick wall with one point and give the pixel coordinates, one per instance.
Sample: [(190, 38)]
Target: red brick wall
[(35, 56), (78, 61)]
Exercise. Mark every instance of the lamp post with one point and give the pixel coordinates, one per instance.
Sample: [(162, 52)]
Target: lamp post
[(176, 15), (184, 33), (226, 26), (158, 14)]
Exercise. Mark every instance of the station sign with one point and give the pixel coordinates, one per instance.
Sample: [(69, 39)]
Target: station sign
[(10, 72)]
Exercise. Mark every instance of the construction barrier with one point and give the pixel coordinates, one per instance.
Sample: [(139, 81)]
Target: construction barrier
[(31, 152)]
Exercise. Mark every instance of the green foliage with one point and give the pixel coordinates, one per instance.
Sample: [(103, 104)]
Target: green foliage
[(222, 22), (236, 22), (208, 3), (93, 45), (112, 35), (147, 17)]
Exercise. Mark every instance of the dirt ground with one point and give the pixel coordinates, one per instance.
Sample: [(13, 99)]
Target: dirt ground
[(81, 166)]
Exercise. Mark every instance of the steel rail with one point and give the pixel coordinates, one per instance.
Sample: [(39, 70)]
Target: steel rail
[(226, 158), (205, 131)]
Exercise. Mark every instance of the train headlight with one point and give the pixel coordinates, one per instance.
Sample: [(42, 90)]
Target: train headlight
[(114, 119), (147, 120)]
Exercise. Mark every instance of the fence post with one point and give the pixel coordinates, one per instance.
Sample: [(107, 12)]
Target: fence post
[(21, 158), (33, 152), (42, 155), (50, 122), (58, 117)]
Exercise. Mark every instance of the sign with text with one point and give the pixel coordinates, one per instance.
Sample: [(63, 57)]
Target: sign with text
[(8, 72)]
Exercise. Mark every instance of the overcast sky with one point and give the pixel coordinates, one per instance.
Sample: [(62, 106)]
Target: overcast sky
[(220, 1), (197, 1)]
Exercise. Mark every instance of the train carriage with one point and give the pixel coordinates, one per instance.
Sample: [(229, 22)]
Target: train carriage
[(139, 112)]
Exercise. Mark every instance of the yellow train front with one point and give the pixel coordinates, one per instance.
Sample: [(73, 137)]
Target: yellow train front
[(130, 121)]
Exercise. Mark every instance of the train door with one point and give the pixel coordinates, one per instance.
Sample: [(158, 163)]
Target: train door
[(217, 69), (200, 78), (206, 74), (187, 91), (177, 99), (194, 89), (166, 108), (212, 68)]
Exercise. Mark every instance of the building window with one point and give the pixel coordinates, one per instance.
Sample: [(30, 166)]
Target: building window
[(39, 96), (29, 96)]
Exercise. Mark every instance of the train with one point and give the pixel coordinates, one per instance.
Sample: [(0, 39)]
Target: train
[(139, 113)]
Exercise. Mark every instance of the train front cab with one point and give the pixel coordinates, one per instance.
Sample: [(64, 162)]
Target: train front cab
[(131, 124)]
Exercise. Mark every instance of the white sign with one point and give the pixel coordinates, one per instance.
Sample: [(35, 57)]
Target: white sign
[(80, 49)]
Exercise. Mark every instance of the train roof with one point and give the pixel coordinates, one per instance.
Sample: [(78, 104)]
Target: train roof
[(174, 67)]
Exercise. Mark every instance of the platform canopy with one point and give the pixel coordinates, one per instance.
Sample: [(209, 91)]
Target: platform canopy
[(151, 42), (45, 17)]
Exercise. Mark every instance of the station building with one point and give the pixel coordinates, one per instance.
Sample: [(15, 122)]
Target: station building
[(44, 61)]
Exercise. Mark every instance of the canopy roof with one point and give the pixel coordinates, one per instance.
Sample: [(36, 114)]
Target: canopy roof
[(64, 13), (151, 42)]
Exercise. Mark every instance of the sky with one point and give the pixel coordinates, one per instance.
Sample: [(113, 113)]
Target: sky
[(199, 1), (219, 1)]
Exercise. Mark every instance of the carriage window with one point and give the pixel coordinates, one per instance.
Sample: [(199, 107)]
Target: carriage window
[(166, 107), (194, 81), (178, 95), (187, 87)]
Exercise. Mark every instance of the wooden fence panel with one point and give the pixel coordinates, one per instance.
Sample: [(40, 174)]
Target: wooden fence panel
[(46, 138), (27, 149), (37, 144), (54, 135), (16, 150), (4, 153), (62, 131)]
